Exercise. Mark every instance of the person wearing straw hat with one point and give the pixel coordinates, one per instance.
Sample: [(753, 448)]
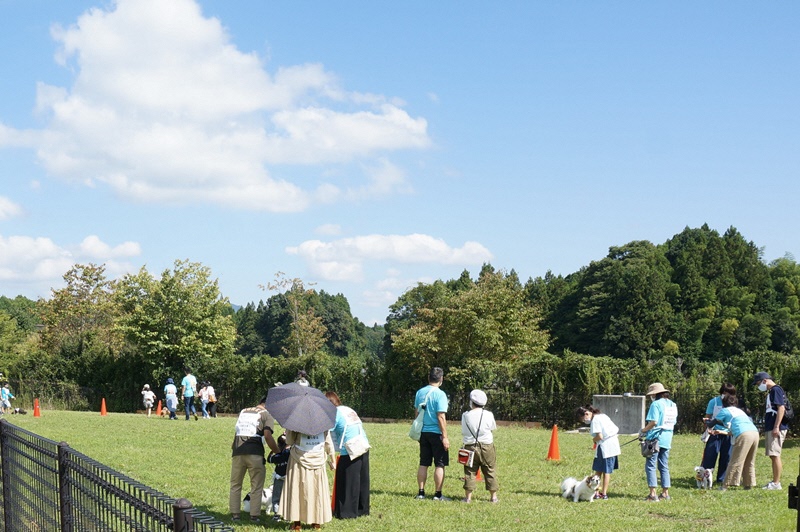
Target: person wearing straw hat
[(660, 424)]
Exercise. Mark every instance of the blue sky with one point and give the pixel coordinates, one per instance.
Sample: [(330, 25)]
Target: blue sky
[(368, 146)]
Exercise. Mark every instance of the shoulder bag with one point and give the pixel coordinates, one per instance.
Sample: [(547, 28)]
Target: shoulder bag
[(416, 426), (466, 456)]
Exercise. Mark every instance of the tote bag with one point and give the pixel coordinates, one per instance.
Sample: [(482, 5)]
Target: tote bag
[(416, 426)]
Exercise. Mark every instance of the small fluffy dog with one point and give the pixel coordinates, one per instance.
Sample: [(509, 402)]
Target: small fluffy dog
[(704, 477), (164, 412), (266, 500), (19, 411), (580, 490)]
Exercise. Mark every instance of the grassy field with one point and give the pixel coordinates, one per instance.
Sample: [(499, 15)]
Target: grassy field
[(192, 459)]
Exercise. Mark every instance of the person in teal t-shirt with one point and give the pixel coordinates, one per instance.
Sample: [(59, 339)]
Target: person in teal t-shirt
[(742, 465), (661, 419), (434, 446), (189, 389)]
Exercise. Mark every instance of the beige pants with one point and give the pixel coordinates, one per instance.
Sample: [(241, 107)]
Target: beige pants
[(485, 459), (742, 466), (254, 465)]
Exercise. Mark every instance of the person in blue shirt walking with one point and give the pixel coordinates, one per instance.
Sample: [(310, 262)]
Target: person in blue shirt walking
[(661, 419), (434, 446), (189, 389)]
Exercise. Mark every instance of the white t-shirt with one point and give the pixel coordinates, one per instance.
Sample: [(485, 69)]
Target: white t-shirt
[(469, 421), (602, 425)]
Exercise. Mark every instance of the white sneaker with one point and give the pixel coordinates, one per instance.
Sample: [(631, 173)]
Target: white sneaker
[(773, 486), (442, 498)]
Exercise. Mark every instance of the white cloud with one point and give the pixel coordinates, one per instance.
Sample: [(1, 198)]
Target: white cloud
[(8, 209), (154, 114), (343, 259), (328, 230), (41, 261)]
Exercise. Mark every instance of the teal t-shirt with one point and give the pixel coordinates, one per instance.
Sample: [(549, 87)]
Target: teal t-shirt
[(437, 402), (190, 384), (665, 413), (347, 422), (737, 420)]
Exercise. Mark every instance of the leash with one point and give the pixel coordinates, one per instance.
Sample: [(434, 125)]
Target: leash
[(627, 442)]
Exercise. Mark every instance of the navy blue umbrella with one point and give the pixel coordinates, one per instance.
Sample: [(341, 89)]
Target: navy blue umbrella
[(301, 408)]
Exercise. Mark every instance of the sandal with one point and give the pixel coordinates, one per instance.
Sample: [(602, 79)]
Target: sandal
[(663, 497), (651, 498)]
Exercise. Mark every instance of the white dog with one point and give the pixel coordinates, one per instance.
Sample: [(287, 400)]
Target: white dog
[(580, 490), (266, 500), (704, 477)]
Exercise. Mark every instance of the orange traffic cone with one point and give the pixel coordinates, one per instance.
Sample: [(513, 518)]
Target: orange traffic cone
[(158, 408), (553, 453), (478, 476), (103, 411), (36, 412)]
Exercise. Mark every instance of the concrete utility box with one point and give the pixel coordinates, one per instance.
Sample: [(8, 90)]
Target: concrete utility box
[(626, 411)]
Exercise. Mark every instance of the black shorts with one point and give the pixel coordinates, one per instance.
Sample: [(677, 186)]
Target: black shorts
[(432, 451)]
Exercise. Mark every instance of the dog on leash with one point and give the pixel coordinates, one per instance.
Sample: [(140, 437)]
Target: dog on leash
[(266, 500), (19, 411), (704, 477), (578, 490)]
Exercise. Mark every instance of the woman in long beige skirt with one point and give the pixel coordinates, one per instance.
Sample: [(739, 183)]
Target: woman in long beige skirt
[(306, 497)]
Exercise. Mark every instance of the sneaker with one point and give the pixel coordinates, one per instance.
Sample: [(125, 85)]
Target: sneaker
[(420, 497), (195, 416), (600, 496), (773, 486), (235, 517), (255, 518), (442, 498), (663, 497), (651, 498), (276, 517), (465, 500)]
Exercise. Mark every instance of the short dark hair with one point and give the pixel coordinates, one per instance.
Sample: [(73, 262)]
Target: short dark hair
[(727, 389), (435, 374), (662, 395), (282, 441), (263, 400), (730, 400)]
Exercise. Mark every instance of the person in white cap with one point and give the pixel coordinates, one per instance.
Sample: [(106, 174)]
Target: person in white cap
[(148, 398), (661, 419), (476, 429)]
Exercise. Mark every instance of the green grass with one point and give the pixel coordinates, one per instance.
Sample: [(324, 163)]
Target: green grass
[(192, 459)]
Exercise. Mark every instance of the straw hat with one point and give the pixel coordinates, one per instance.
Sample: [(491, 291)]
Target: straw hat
[(656, 388)]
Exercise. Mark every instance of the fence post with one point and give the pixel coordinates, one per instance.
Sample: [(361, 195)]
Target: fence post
[(64, 493), (5, 460), (182, 522)]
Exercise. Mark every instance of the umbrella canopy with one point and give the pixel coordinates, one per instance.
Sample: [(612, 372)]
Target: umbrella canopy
[(301, 408)]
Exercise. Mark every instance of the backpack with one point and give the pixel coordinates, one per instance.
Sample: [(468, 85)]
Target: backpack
[(788, 411)]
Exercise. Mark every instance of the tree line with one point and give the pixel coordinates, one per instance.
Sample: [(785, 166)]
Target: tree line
[(698, 309)]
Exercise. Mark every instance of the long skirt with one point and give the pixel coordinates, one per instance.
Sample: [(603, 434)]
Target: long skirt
[(352, 487), (306, 496)]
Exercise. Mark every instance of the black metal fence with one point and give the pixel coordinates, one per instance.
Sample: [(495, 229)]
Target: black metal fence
[(47, 486)]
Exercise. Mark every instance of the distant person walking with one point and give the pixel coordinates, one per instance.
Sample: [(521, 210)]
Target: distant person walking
[(434, 446), (203, 394), (212, 400), (5, 398), (148, 398), (188, 391), (171, 395)]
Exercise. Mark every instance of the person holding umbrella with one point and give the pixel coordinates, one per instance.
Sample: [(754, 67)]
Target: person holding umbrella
[(307, 416)]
